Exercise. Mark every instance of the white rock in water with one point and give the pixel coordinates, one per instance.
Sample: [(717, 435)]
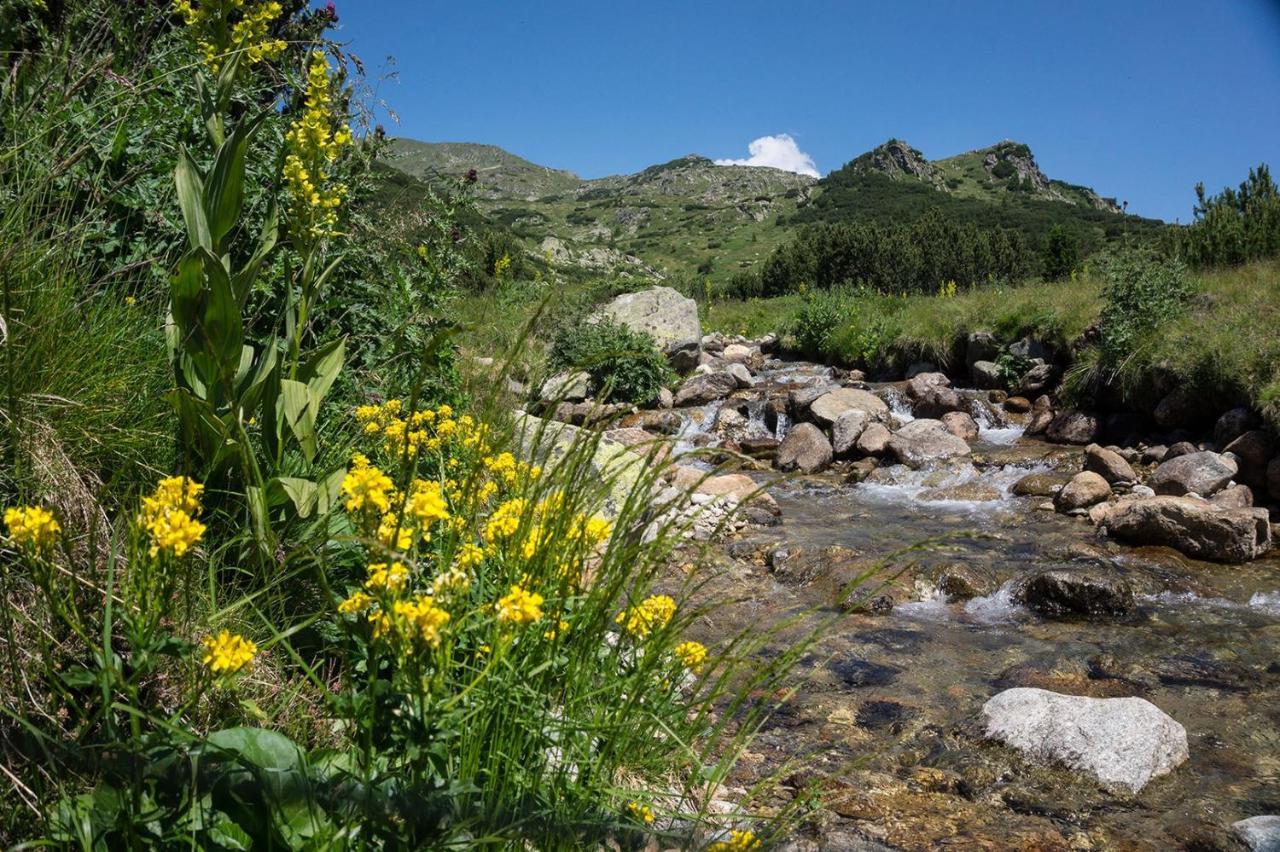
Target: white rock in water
[(1122, 741), (1260, 833)]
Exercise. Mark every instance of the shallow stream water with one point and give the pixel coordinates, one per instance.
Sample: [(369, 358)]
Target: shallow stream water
[(889, 705)]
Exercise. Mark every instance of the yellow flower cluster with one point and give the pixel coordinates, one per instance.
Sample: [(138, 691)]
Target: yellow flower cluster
[(227, 653), (519, 607), (387, 577), (740, 840), (649, 615), (420, 619), (365, 486), (316, 140), (429, 429), (216, 32), (499, 531), (643, 813), (168, 516), (691, 655), (505, 468), (32, 527)]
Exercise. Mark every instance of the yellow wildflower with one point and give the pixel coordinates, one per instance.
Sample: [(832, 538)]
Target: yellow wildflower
[(387, 577), (357, 604), (216, 34), (561, 627), (422, 618), (426, 505), (643, 813), (393, 534), (176, 533), (519, 607), (469, 556), (315, 141), (367, 486), (691, 655), (32, 527), (450, 582), (740, 840), (227, 653), (649, 615), (504, 521)]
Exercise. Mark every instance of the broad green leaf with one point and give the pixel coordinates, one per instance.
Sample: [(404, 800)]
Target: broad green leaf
[(190, 184), (251, 392), (299, 413), (242, 281), (322, 368), (223, 328), (187, 297), (224, 187), (329, 490), (301, 492)]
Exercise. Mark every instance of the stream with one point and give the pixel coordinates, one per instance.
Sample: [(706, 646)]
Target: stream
[(887, 712)]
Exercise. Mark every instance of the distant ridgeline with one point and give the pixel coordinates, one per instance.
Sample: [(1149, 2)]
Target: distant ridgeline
[(889, 219)]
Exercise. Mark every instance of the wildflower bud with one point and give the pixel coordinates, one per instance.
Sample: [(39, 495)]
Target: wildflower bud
[(380, 132), (455, 234), (332, 11), (472, 176)]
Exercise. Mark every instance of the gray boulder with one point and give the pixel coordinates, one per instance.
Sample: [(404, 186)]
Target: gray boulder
[(740, 374), (1078, 591), (921, 382), (800, 399), (1194, 527), (1017, 404), (1233, 497), (570, 386), (1084, 490), (737, 353), (961, 424), (1202, 473), (1036, 379), (923, 442), (1123, 742), (874, 440), (986, 375), (1259, 833), (981, 346), (936, 401), (1232, 425), (1040, 484), (805, 449), (668, 317), (1072, 427), (704, 388), (826, 408), (1108, 464), (847, 429)]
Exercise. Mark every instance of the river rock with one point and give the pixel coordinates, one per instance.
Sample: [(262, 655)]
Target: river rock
[(826, 408), (1017, 405), (1202, 473), (664, 399), (1108, 464), (1038, 422), (1124, 742), (960, 581), (1154, 454), (736, 353), (1233, 497), (571, 386), (874, 440), (961, 424), (801, 398), (936, 401), (981, 346), (1077, 591), (1179, 448), (986, 375), (1084, 490), (708, 387), (1232, 425), (918, 368), (847, 429), (805, 449), (1252, 450), (1072, 427), (739, 486), (922, 442), (1040, 484), (1258, 834), (759, 448), (1036, 379), (1194, 527), (919, 383), (740, 374), (668, 317), (1029, 349), (975, 491)]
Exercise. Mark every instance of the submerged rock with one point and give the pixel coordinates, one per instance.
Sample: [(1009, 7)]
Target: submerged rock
[(1194, 527), (1077, 591), (960, 581), (1040, 484), (923, 442), (1200, 473), (1259, 834), (1125, 742), (805, 449)]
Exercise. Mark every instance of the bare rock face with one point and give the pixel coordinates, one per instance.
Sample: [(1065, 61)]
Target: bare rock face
[(1072, 427), (704, 388), (828, 407), (1202, 473), (1108, 464), (924, 442), (1194, 527), (1123, 742), (805, 449), (1084, 490)]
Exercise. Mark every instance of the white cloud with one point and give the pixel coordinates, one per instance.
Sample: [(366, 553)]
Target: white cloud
[(777, 152)]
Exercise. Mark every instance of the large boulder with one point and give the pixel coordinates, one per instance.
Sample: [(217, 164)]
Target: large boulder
[(1036, 379), (1232, 425), (1202, 473), (1084, 490), (668, 317), (1258, 834), (1072, 427), (1252, 450), (827, 408), (1108, 464), (1123, 742), (572, 386), (1194, 527), (706, 387), (874, 440), (961, 424), (847, 429), (935, 401), (1077, 591), (923, 442), (920, 383), (986, 375), (799, 399), (981, 346), (805, 449)]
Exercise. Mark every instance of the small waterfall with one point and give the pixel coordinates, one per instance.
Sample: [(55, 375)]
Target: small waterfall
[(899, 405), (992, 427)]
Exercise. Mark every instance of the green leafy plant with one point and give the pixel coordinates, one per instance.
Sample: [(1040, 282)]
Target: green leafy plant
[(624, 364)]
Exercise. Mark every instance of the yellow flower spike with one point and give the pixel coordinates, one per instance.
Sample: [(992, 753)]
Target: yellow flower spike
[(394, 534), (504, 521), (423, 620), (519, 607), (357, 604), (387, 577), (649, 615), (227, 653), (315, 141), (691, 655), (176, 532), (32, 527), (426, 505), (740, 840), (643, 813)]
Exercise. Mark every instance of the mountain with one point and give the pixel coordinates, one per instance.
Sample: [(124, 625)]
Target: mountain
[(690, 216)]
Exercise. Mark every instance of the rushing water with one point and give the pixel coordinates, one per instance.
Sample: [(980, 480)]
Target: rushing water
[(896, 698)]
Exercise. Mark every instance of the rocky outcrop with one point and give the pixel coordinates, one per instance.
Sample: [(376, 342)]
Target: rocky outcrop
[(1084, 490), (1202, 473), (705, 387), (1123, 742), (924, 442), (668, 317), (1194, 527), (806, 449)]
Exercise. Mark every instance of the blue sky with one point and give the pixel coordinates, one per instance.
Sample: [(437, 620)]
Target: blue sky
[(1138, 99)]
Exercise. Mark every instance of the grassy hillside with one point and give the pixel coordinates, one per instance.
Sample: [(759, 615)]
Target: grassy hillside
[(502, 174)]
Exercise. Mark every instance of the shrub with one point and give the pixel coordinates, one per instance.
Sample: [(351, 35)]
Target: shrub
[(625, 365), (814, 325), (1061, 253), (1234, 226), (1141, 292)]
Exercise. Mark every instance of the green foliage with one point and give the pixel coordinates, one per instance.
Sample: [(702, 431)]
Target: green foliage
[(624, 364), (1061, 254), (812, 328), (1233, 227), (1140, 294)]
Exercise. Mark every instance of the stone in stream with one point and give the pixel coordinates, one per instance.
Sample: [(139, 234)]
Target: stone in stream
[(1017, 405), (874, 440), (1077, 591), (857, 672), (704, 388), (1252, 450), (740, 374), (846, 430), (1123, 742), (961, 424), (1232, 425), (1259, 833), (1108, 464), (826, 408), (801, 398), (1234, 497), (919, 383), (936, 401), (1040, 484), (1084, 490), (1036, 379), (1179, 448), (664, 399), (960, 581), (736, 353), (885, 715), (662, 422), (986, 375), (1154, 454), (1073, 427), (1202, 473), (805, 449), (759, 448), (923, 442), (1194, 527)]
